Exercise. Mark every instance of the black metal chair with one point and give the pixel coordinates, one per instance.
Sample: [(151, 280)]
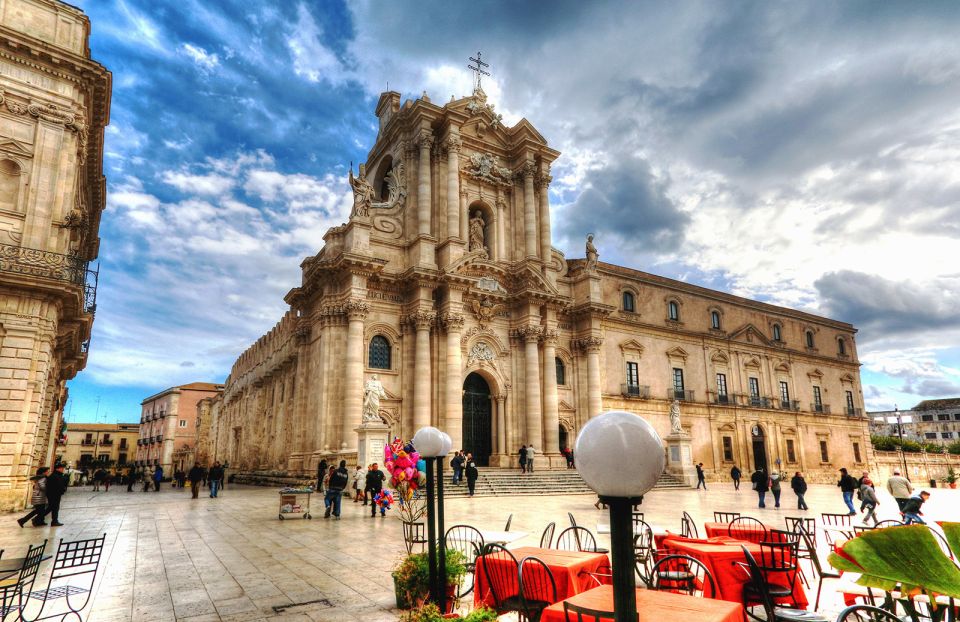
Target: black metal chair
[(809, 525), (637, 516), (725, 517), (688, 528), (859, 529), (78, 562), (413, 534), (866, 613), (682, 574), (838, 523), (538, 588), (584, 614), (15, 589), (547, 538), (758, 586), (576, 539), (501, 578), (889, 523), (468, 541), (509, 520), (644, 549), (815, 563), (780, 535), (777, 559), (747, 528), (573, 521)]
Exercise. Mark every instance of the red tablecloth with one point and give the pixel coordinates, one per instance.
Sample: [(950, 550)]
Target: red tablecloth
[(720, 555), (569, 570), (653, 606), (715, 530)]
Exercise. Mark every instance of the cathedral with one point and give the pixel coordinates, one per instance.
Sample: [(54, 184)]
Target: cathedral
[(444, 288)]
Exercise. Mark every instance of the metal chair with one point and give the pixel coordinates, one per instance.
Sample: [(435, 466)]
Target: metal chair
[(758, 586), (780, 535), (809, 525), (573, 522), (777, 559), (468, 541), (509, 520), (747, 528), (547, 538), (644, 549), (682, 574), (576, 539), (79, 558), (838, 522), (413, 534), (815, 562), (859, 529), (889, 523), (538, 588), (688, 528), (725, 517), (501, 578), (637, 516), (585, 614), (944, 546), (15, 589), (866, 613)]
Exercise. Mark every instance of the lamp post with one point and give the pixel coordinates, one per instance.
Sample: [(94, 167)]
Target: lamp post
[(432, 446), (620, 456), (903, 455)]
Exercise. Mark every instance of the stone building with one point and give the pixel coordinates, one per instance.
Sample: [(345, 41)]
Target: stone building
[(168, 426), (54, 105), (930, 421), (108, 443), (444, 285)]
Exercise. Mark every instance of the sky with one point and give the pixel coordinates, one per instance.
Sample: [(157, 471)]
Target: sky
[(803, 154)]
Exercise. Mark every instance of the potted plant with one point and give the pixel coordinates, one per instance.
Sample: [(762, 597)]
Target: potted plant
[(430, 613), (411, 578), (951, 477)]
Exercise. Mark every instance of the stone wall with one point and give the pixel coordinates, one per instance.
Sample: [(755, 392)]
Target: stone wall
[(922, 466)]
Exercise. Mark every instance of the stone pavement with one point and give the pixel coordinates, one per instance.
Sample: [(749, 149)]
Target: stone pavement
[(169, 557)]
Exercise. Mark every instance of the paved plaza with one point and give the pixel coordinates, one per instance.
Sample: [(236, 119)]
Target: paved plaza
[(170, 557)]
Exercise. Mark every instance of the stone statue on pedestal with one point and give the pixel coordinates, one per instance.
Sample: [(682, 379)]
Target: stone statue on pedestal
[(592, 254), (476, 233), (372, 392), (362, 192), (675, 427)]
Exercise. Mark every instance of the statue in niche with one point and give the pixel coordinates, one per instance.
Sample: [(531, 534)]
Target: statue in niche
[(675, 427), (592, 254), (476, 234), (372, 392), (362, 192)]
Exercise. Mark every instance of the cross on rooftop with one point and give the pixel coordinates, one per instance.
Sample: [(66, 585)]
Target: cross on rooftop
[(477, 70)]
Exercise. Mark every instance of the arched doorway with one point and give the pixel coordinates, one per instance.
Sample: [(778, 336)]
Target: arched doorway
[(477, 410), (564, 439), (759, 448)]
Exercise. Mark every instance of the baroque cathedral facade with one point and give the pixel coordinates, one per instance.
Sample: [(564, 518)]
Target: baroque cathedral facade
[(444, 285)]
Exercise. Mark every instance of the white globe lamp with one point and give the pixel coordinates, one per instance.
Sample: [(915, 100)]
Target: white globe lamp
[(428, 441)]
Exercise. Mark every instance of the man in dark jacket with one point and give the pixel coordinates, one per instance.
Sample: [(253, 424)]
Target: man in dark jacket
[(215, 479), (761, 483), (799, 486), (523, 458), (321, 473), (196, 477), (848, 485), (337, 484), (57, 483), (472, 473), (457, 465), (735, 475), (700, 477), (373, 485)]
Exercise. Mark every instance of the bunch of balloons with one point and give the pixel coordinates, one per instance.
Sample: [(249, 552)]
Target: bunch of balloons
[(407, 470), (384, 499)]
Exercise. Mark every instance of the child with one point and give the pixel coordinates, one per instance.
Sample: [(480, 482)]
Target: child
[(911, 508)]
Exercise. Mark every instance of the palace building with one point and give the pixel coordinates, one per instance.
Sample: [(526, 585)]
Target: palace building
[(444, 285)]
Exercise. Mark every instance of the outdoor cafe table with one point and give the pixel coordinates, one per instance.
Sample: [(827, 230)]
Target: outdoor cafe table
[(653, 605), (570, 570), (715, 530), (722, 556)]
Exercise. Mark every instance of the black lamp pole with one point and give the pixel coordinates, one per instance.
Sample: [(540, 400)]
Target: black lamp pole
[(442, 557), (431, 534), (903, 454), (623, 557)]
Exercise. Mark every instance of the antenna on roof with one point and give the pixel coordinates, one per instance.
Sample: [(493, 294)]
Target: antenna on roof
[(477, 70)]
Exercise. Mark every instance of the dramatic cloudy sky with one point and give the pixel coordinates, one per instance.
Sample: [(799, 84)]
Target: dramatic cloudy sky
[(807, 154)]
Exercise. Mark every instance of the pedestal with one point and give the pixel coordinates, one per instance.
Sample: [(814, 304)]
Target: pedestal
[(371, 439), (680, 458)]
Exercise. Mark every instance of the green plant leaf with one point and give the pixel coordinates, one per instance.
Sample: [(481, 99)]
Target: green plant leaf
[(909, 556)]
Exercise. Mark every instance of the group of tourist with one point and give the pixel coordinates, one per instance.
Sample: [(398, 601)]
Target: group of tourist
[(462, 464), (200, 477), (527, 454)]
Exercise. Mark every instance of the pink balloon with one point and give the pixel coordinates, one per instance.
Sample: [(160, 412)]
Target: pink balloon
[(414, 456), (409, 472)]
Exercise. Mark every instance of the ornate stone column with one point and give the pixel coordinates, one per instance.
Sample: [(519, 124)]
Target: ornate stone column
[(591, 345), (551, 412), (529, 211), (453, 185), (421, 321), (425, 140), (356, 311), (533, 414), (502, 424), (453, 407), (501, 254), (544, 179), (464, 216)]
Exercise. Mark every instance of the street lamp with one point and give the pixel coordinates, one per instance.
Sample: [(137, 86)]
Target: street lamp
[(620, 456), (903, 455), (433, 445)]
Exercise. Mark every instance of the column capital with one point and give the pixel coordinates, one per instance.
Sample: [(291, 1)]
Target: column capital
[(356, 309), (528, 170), (590, 344), (529, 333), (501, 398), (543, 179), (453, 143), (421, 320), (453, 322), (551, 337), (425, 139)]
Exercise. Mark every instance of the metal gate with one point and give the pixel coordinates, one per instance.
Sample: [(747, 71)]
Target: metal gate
[(476, 419)]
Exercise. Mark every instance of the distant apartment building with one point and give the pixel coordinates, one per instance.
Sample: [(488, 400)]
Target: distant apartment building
[(111, 444), (168, 425), (930, 421)]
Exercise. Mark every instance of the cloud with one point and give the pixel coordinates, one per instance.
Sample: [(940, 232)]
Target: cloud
[(209, 184), (311, 58), (206, 61)]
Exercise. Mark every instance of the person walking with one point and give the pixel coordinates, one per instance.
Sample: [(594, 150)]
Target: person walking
[(196, 479), (107, 480), (359, 485), (335, 487), (531, 454), (215, 479), (321, 475), (373, 485), (700, 480), (899, 488), (847, 485), (131, 477), (472, 474), (761, 483), (911, 509), (735, 475), (147, 478), (775, 488), (57, 484), (870, 502), (157, 477), (457, 465), (181, 478), (523, 458), (799, 486), (38, 498), (97, 480)]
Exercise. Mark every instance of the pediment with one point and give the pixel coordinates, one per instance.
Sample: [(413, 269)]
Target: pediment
[(752, 362), (564, 406), (720, 357), (631, 345), (15, 147), (525, 129), (816, 373), (847, 378), (727, 427), (678, 353), (750, 334), (782, 366)]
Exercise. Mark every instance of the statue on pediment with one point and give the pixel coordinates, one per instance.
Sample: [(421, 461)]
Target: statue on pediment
[(476, 233), (362, 192), (592, 255)]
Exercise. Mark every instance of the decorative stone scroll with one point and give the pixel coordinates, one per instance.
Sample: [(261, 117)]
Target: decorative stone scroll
[(481, 351)]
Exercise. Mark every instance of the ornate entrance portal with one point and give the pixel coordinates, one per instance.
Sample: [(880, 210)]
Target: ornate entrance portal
[(476, 419), (759, 448)]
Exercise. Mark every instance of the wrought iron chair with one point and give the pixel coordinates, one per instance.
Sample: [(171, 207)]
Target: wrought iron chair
[(509, 520), (644, 549), (80, 558), (637, 516), (837, 523), (15, 589), (538, 588), (725, 517), (809, 525), (780, 535), (468, 541), (502, 578), (747, 528), (889, 523), (688, 528), (776, 559), (682, 574), (866, 613), (772, 613), (576, 539), (859, 529), (546, 540), (413, 534), (573, 521), (584, 614), (815, 562)]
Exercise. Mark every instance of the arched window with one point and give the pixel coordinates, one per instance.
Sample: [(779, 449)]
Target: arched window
[(561, 371), (809, 338), (715, 319), (378, 356), (777, 335), (841, 346), (673, 311), (628, 302)]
